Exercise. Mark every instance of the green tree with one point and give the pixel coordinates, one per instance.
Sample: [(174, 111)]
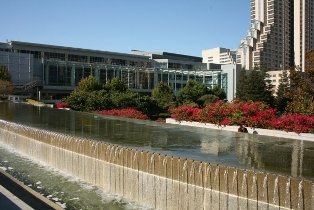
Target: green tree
[(163, 95), (220, 93), (4, 73), (77, 100), (123, 99), (243, 86), (81, 99), (253, 87), (301, 93), (207, 99), (281, 99), (6, 88), (97, 101), (88, 84), (149, 107), (115, 85), (192, 92)]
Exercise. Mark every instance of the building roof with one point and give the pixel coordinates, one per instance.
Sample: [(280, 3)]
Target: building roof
[(168, 55), (63, 48)]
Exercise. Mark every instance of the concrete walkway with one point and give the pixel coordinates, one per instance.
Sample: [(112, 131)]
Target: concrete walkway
[(8, 201), (15, 195)]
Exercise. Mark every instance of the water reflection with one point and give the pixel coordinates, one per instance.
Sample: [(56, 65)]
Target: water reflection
[(272, 154)]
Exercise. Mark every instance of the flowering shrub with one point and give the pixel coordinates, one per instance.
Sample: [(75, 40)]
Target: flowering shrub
[(186, 113), (252, 114), (128, 112), (296, 123), (261, 119), (62, 104), (216, 113)]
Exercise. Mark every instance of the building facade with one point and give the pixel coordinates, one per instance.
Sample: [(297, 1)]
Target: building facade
[(281, 32), (303, 30), (55, 71), (219, 55), (275, 78)]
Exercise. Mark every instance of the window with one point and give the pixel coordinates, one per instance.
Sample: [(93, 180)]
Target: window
[(77, 58), (55, 56), (96, 59), (118, 62)]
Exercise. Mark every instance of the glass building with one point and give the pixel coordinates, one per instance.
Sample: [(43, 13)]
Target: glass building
[(55, 70)]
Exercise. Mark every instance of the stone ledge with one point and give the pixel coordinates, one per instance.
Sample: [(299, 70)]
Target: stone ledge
[(260, 131)]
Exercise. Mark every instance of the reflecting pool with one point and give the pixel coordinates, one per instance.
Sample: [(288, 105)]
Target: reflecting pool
[(271, 154)]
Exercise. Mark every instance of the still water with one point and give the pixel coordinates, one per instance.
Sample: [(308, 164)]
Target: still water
[(270, 154)]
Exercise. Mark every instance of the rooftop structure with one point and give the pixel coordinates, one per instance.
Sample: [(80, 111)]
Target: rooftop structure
[(219, 55)]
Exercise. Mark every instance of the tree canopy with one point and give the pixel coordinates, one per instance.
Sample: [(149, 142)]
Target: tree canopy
[(217, 91), (6, 87), (301, 93), (115, 85), (4, 73), (163, 95), (253, 87), (88, 84), (192, 92), (281, 99)]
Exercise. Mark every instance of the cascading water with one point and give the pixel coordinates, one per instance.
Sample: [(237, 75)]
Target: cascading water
[(287, 191), (275, 191), (264, 187), (254, 184), (234, 178), (300, 195), (244, 183)]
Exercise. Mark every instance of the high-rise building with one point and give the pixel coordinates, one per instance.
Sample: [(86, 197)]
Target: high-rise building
[(281, 32), (303, 30), (219, 55)]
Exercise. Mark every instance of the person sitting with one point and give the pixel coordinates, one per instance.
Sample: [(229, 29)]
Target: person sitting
[(242, 129)]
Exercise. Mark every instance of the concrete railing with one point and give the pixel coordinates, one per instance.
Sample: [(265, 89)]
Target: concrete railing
[(260, 131), (158, 181)]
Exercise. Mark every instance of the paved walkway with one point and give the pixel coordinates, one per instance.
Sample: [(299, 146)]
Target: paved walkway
[(8, 201), (15, 195)]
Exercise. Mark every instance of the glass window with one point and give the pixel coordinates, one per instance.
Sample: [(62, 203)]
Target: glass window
[(77, 58), (96, 59), (54, 56)]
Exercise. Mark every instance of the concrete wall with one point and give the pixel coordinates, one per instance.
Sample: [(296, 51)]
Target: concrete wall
[(157, 181), (260, 131), (233, 72)]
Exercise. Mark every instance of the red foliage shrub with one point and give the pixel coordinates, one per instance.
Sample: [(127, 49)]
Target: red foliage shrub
[(216, 113), (186, 113), (128, 112), (62, 104), (295, 123), (261, 119), (252, 114)]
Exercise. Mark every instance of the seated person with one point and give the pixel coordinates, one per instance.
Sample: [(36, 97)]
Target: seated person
[(242, 129)]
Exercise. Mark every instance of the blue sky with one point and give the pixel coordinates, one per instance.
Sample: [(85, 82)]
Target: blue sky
[(179, 26)]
